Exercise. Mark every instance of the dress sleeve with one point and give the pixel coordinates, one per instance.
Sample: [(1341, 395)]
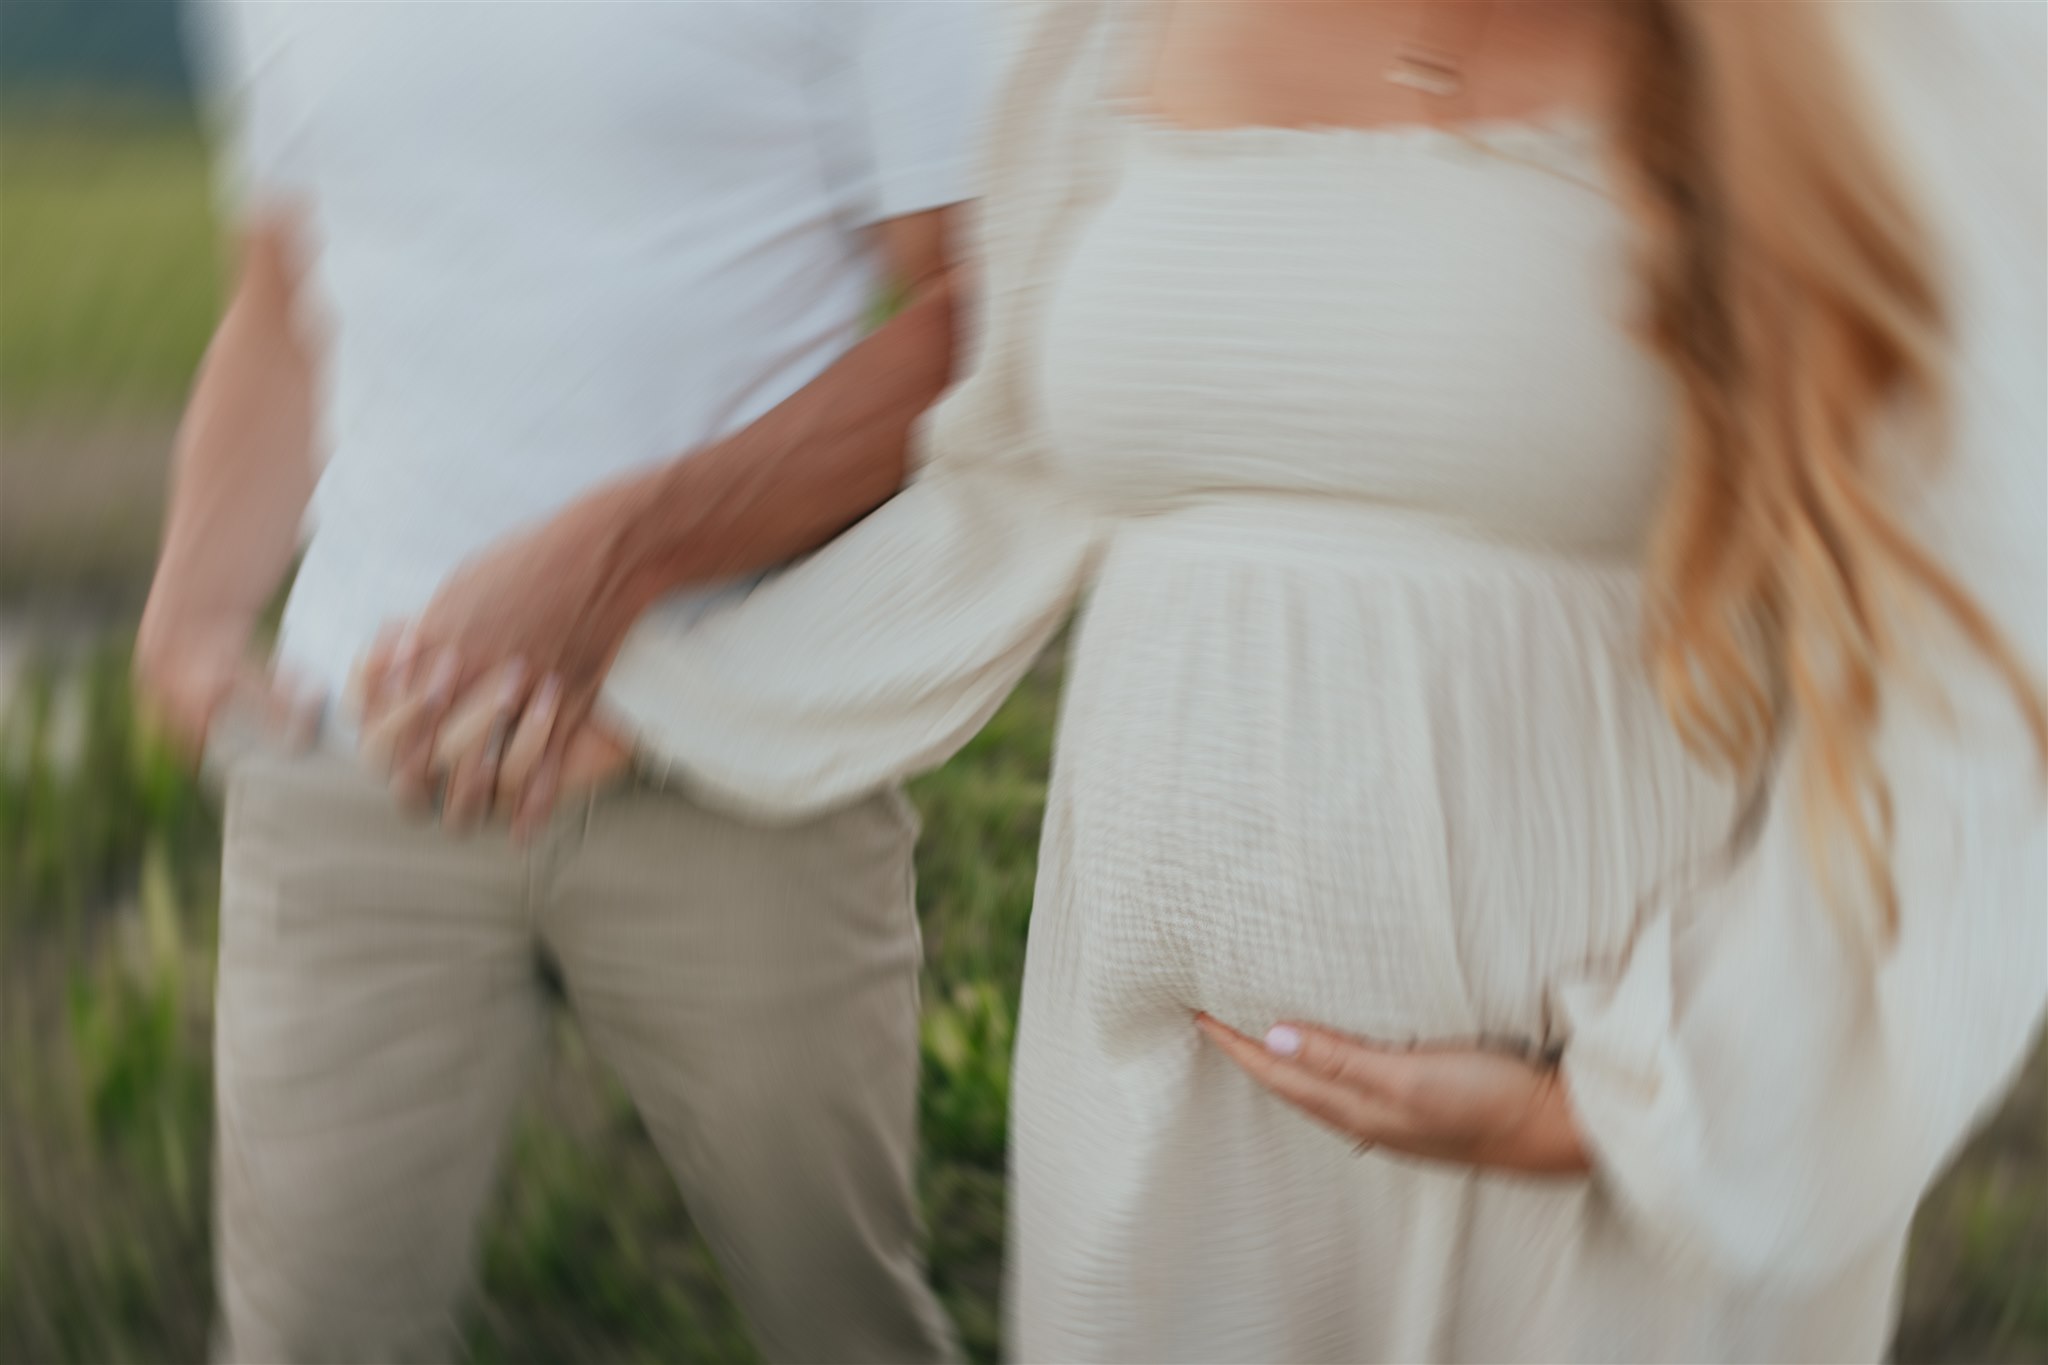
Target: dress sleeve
[(872, 660), (1756, 1092)]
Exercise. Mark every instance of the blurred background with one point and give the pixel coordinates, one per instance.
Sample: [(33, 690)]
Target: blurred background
[(110, 272)]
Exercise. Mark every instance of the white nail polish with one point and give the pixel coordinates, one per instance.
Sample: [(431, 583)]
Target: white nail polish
[(1283, 1041)]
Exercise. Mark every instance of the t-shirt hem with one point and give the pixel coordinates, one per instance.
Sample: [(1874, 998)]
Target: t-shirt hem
[(919, 189)]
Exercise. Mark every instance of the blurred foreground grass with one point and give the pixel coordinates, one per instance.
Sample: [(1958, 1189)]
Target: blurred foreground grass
[(109, 871), (109, 874)]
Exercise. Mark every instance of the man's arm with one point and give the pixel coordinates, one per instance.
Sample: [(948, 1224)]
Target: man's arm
[(540, 617), (242, 474), (809, 468)]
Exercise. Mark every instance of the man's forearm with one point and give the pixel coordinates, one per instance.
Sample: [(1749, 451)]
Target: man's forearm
[(242, 471), (551, 606), (804, 472)]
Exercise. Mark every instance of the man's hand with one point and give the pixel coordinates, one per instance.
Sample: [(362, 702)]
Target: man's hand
[(531, 625), (490, 757), (485, 754), (188, 670)]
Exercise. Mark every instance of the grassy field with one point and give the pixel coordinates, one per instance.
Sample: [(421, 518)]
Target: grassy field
[(108, 881), (109, 261), (109, 280)]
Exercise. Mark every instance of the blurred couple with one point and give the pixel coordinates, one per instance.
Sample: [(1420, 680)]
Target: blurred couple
[(1546, 847)]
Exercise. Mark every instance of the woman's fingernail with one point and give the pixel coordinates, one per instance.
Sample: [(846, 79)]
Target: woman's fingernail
[(515, 678), (550, 688), (1283, 1041)]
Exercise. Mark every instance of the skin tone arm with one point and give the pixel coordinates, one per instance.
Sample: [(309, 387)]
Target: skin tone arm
[(243, 471), (497, 677), (816, 464)]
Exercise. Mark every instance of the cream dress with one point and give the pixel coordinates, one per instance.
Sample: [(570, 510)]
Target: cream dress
[(1346, 437)]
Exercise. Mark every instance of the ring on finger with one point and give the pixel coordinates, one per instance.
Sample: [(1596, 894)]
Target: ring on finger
[(494, 748), (494, 742)]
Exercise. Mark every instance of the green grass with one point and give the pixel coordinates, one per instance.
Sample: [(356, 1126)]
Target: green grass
[(110, 278), (109, 265)]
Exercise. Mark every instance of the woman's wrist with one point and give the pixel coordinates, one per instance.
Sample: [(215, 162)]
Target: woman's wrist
[(1545, 1138)]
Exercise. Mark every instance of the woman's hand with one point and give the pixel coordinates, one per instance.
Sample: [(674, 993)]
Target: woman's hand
[(1471, 1106)]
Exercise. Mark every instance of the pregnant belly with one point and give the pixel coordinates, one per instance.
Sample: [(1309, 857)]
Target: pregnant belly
[(1395, 798)]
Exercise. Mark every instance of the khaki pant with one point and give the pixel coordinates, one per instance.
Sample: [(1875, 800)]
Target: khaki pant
[(381, 1007)]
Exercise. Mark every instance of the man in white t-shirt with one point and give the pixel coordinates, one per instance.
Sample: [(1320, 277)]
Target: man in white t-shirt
[(497, 259)]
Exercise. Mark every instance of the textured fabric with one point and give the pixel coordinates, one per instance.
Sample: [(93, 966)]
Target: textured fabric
[(381, 1005), (1343, 433), (552, 244)]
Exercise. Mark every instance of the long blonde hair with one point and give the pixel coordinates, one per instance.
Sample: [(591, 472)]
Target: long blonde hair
[(1792, 291)]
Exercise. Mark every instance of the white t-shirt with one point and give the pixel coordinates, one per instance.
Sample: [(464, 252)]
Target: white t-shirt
[(553, 243)]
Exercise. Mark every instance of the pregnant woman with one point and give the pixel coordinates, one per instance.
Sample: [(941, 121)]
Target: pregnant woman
[(1542, 710)]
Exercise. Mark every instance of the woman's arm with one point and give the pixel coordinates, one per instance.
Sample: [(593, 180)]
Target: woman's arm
[(1464, 1106)]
